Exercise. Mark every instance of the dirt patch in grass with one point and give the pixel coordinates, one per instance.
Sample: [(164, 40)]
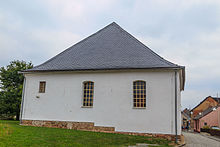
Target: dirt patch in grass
[(5, 130)]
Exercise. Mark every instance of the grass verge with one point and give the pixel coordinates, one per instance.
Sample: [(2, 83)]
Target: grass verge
[(14, 135)]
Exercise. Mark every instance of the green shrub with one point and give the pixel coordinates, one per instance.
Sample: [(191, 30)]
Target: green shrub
[(205, 130), (206, 127), (214, 132)]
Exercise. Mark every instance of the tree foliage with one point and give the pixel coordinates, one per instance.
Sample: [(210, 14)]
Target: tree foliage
[(11, 85)]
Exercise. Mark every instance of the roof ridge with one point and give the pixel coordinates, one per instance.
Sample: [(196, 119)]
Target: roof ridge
[(121, 36), (146, 47), (203, 101), (83, 40)]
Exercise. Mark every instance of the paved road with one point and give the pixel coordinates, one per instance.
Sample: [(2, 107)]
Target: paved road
[(197, 140)]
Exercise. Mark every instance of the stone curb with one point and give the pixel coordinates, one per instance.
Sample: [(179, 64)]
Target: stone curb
[(143, 145), (211, 137), (182, 142)]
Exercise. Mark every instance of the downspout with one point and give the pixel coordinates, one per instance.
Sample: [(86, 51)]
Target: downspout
[(176, 137), (22, 100), (218, 116)]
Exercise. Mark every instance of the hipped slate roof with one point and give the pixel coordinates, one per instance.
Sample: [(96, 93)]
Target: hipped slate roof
[(109, 48)]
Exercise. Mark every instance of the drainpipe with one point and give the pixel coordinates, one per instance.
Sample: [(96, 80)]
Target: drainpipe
[(218, 117), (176, 138), (22, 100)]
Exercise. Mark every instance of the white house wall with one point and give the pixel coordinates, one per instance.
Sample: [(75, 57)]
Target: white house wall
[(113, 100)]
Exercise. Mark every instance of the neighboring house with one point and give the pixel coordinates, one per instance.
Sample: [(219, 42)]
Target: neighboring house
[(203, 108), (210, 117), (186, 119), (109, 81)]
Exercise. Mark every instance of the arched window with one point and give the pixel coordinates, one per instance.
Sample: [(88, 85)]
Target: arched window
[(88, 94), (139, 94)]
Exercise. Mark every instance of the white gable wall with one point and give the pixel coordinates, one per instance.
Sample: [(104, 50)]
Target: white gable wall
[(113, 100)]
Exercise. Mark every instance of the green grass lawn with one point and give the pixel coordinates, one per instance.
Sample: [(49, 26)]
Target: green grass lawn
[(12, 134)]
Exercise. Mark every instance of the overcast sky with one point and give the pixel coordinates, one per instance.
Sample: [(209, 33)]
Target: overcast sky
[(182, 31)]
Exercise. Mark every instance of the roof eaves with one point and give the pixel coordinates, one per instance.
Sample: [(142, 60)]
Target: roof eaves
[(186, 115), (205, 112), (56, 70)]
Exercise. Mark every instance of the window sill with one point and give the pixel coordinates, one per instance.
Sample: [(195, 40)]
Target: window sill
[(139, 107), (86, 106)]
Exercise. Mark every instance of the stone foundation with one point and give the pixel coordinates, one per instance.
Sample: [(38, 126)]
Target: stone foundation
[(89, 126), (164, 136)]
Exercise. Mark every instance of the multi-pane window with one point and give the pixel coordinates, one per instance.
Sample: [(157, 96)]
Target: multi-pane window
[(42, 87), (139, 94), (88, 94)]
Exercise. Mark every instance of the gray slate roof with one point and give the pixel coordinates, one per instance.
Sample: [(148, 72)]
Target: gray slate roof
[(217, 99), (205, 112), (186, 115), (109, 48)]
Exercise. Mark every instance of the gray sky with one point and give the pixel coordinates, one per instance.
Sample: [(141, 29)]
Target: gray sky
[(184, 32)]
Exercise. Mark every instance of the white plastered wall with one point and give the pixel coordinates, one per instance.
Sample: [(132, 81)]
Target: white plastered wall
[(113, 100)]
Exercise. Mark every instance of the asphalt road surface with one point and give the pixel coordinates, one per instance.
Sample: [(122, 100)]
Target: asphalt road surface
[(197, 140)]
